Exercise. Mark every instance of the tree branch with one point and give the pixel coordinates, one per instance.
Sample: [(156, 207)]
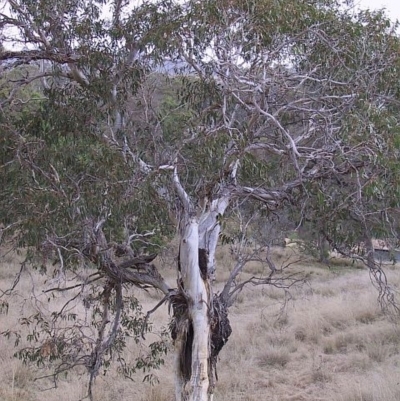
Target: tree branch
[(27, 56)]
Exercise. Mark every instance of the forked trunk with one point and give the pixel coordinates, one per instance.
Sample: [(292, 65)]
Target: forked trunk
[(200, 327)]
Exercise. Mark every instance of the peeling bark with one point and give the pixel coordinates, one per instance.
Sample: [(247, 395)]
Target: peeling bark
[(209, 230), (195, 333), (200, 326)]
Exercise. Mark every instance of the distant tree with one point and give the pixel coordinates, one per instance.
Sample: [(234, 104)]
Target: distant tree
[(167, 116)]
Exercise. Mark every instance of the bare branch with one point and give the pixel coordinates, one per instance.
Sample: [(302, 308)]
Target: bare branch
[(27, 56), (103, 343), (15, 283), (183, 196)]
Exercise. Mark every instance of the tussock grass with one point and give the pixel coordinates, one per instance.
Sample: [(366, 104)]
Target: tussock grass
[(330, 343), (273, 356), (379, 386)]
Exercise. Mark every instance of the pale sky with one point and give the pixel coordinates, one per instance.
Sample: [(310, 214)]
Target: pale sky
[(392, 6)]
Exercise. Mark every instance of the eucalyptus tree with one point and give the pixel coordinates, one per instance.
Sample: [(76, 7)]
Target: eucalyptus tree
[(280, 103), (71, 194), (295, 92)]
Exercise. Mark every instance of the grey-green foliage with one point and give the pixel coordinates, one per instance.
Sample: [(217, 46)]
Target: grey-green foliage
[(65, 178)]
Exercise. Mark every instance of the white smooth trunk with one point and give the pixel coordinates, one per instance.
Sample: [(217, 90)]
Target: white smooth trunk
[(198, 294), (210, 228)]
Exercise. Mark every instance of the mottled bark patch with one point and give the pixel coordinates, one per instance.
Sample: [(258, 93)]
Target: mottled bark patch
[(182, 329)]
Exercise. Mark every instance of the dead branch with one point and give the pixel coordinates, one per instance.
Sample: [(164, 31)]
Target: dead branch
[(285, 282), (58, 289)]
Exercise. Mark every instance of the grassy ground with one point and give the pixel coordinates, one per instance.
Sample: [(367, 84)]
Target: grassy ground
[(330, 343)]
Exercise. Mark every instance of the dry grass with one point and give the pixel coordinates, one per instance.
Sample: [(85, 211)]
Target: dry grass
[(331, 343)]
